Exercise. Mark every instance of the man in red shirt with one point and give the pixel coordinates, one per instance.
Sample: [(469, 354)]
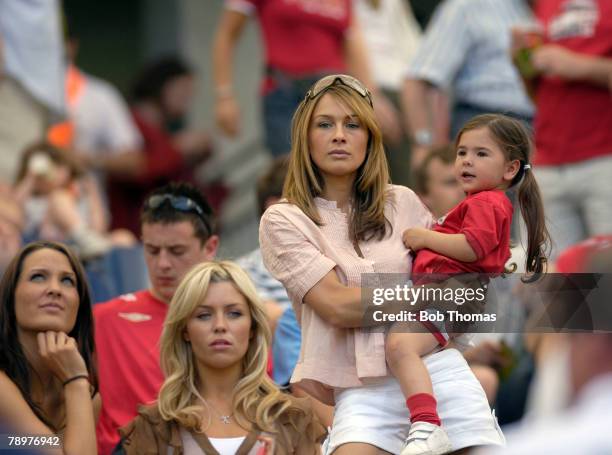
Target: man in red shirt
[(178, 231), (573, 137)]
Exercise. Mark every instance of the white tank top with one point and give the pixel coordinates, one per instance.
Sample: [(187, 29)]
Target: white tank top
[(225, 446)]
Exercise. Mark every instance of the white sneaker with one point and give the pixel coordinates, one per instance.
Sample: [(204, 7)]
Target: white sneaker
[(425, 438)]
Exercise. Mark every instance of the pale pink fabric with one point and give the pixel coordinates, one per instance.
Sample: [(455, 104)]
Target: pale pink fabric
[(299, 254)]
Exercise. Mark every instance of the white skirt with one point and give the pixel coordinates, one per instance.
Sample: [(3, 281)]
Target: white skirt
[(376, 413)]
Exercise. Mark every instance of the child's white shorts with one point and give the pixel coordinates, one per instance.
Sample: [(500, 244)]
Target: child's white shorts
[(376, 413)]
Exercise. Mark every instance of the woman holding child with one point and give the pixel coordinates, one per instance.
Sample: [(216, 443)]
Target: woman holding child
[(342, 219)]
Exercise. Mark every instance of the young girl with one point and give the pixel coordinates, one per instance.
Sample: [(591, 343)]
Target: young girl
[(492, 155)]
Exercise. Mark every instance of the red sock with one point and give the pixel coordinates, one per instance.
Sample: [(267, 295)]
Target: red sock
[(422, 407)]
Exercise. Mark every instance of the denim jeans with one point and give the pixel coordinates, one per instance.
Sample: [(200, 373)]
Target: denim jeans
[(279, 106)]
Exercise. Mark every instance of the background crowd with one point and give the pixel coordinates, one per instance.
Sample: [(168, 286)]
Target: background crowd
[(91, 158)]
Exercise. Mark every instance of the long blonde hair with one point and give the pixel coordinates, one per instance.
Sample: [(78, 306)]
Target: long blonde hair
[(257, 399), (304, 182)]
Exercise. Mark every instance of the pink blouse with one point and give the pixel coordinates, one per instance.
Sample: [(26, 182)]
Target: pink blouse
[(299, 254)]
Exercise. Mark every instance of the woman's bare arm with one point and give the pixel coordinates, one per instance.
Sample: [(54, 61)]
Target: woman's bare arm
[(351, 307), (79, 436)]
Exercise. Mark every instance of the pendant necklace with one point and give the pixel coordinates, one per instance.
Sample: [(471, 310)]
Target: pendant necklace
[(226, 419)]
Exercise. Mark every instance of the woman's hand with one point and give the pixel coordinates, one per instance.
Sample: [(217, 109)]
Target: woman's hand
[(416, 238), (60, 354)]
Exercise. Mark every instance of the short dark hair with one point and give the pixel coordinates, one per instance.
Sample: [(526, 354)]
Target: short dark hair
[(13, 360), (444, 153), (271, 183), (204, 224), (151, 80)]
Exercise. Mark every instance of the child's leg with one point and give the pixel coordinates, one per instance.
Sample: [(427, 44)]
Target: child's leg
[(404, 348)]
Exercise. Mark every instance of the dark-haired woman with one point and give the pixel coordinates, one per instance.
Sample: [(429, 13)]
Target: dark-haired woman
[(48, 380)]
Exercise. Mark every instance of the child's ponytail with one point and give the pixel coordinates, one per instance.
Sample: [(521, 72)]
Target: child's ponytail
[(532, 210)]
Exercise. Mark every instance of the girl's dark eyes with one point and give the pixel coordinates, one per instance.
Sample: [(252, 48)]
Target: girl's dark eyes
[(460, 152)]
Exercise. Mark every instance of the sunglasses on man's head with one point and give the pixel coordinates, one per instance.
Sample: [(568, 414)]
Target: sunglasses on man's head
[(344, 79), (180, 203)]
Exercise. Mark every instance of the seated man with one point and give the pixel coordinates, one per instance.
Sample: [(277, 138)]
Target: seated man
[(435, 181)]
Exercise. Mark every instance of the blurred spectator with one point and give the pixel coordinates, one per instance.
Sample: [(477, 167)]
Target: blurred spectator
[(286, 339), (161, 99), (11, 226), (584, 427), (31, 76), (465, 50), (62, 204), (392, 37), (303, 40), (99, 130), (269, 191), (550, 389), (435, 181), (178, 231), (572, 128)]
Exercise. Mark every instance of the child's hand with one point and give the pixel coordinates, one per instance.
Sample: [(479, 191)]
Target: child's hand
[(415, 238)]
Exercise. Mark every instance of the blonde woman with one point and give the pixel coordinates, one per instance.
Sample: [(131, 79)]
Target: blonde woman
[(342, 219), (216, 398)]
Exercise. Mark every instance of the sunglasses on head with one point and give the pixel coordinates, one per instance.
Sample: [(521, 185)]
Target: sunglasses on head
[(180, 203), (344, 79)]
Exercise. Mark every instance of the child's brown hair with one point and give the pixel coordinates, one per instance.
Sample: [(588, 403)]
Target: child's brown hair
[(57, 156), (515, 141)]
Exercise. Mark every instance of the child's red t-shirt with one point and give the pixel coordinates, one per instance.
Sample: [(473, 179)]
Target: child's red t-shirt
[(485, 219)]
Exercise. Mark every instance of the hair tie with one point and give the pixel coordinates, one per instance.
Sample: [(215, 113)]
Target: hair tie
[(526, 166)]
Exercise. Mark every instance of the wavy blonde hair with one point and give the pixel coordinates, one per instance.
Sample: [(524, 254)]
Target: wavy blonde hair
[(304, 182), (257, 399)]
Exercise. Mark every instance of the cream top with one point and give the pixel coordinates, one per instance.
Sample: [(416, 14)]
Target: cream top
[(299, 254)]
